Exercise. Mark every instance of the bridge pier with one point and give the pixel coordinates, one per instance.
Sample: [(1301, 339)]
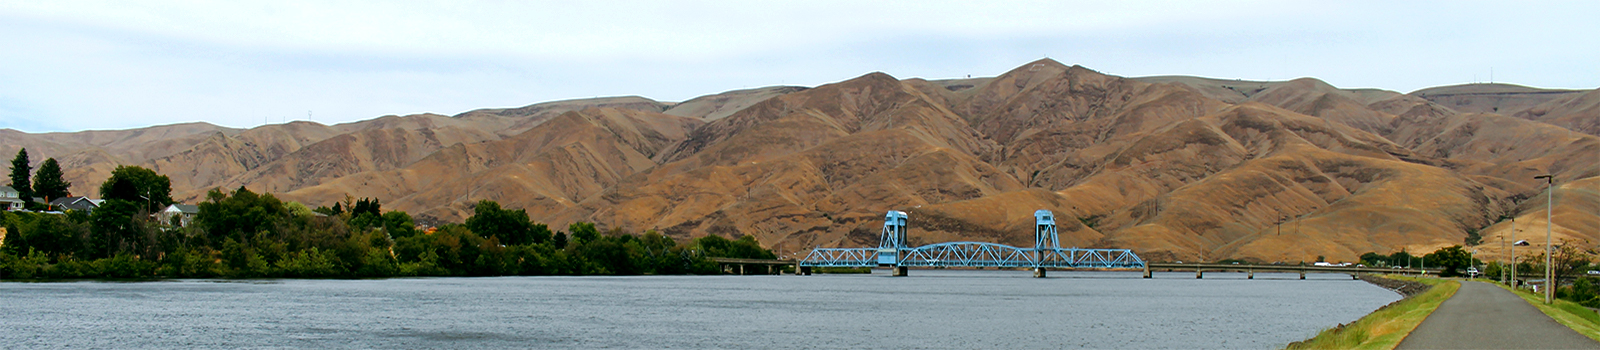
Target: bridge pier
[(1038, 272), (1250, 274), (1146, 270), (899, 271)]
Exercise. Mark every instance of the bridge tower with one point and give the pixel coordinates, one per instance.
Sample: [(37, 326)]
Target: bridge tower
[(1045, 241), (892, 241), (1044, 231)]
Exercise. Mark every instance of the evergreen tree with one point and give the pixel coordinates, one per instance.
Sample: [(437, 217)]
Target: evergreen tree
[(48, 182), (560, 240), (366, 206), (20, 168)]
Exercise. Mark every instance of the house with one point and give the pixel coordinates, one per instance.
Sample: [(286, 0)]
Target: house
[(10, 199), (75, 203), (184, 212)]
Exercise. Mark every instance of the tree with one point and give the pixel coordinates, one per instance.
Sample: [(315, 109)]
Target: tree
[(511, 226), (240, 215), (1373, 259), (1450, 260), (117, 227), (745, 247), (48, 182), (583, 232), (366, 214), (55, 234), (138, 185), (399, 224), (560, 240), (366, 206), (1568, 259), (1400, 258), (20, 168)]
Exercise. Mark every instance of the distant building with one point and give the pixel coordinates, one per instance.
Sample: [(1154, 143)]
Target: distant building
[(184, 212), (10, 200), (75, 203)]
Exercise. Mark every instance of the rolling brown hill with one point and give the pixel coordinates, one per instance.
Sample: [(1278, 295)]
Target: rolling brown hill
[(713, 107), (558, 163), (1573, 111), (1507, 99), (1174, 167)]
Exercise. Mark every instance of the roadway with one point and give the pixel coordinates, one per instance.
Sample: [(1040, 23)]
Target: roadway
[(1484, 316)]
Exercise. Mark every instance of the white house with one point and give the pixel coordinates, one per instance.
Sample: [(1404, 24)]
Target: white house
[(10, 199), (185, 212)]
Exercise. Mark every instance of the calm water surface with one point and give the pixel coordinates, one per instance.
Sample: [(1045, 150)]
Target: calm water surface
[(930, 309)]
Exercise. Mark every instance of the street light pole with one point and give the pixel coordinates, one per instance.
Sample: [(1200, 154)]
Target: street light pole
[(1549, 271), (1512, 256)]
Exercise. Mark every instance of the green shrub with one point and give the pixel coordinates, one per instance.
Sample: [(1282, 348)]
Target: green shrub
[(309, 263)]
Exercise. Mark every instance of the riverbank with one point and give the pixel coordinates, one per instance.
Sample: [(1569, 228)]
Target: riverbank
[(1387, 326)]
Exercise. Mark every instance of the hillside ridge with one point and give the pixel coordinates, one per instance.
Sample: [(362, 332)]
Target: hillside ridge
[(1174, 167)]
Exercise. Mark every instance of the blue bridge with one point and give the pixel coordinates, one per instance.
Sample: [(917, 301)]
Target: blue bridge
[(1045, 254)]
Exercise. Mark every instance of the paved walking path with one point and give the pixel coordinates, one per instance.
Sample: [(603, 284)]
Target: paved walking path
[(1484, 316)]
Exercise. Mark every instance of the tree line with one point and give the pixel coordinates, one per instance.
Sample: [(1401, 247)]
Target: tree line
[(243, 234), (1570, 265)]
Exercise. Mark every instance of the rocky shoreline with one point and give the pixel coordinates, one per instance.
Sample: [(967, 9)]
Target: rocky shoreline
[(1405, 288)]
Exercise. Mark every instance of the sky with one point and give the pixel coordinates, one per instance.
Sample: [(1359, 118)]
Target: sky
[(92, 65)]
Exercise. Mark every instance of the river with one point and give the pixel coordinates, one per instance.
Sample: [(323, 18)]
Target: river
[(929, 309)]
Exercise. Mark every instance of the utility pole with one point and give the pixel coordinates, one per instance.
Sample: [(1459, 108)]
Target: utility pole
[(1505, 274), (1549, 202), (1281, 219)]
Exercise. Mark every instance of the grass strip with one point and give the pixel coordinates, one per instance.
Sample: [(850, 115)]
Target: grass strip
[(1579, 318), (1387, 326)]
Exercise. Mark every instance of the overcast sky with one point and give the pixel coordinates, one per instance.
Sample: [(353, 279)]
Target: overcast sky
[(68, 65)]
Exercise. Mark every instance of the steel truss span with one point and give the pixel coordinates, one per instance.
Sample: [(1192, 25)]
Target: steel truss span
[(978, 254), (841, 257), (981, 254), (1046, 253)]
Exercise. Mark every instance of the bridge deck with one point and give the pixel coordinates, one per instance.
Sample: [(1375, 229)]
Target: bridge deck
[(753, 261)]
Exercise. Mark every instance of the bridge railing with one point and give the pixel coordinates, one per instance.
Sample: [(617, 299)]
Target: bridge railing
[(1095, 258), (976, 254), (841, 257)]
